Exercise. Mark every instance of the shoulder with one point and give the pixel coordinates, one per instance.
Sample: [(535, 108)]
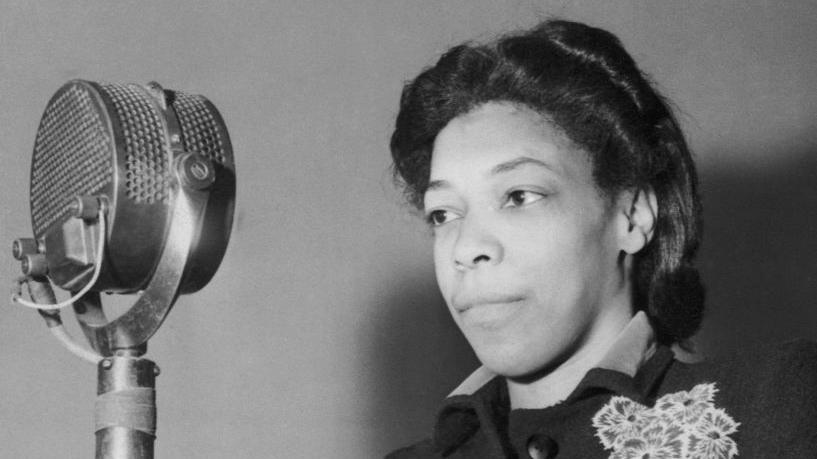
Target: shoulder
[(421, 450), (778, 381), (783, 373), (792, 364), (758, 366), (770, 391), (798, 352)]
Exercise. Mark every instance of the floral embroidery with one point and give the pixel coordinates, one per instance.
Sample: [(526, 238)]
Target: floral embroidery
[(687, 407), (681, 425), (655, 442), (622, 419), (711, 436)]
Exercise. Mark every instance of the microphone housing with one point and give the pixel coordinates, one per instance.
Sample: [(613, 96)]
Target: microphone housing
[(126, 147)]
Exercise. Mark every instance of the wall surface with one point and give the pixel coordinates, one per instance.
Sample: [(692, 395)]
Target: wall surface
[(323, 334)]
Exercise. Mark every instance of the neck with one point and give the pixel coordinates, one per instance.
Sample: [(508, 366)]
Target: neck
[(555, 385)]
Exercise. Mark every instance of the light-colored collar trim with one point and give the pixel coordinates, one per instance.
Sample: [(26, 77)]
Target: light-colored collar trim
[(633, 346)]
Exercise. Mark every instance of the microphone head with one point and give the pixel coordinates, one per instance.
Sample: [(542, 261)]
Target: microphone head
[(118, 145)]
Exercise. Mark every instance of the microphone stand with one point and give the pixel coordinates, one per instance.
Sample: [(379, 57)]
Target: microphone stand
[(125, 409)]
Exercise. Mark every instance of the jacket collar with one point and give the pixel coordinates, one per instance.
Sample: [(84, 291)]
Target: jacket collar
[(480, 404), (634, 345)]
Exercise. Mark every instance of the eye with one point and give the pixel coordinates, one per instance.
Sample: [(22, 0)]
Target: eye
[(440, 217), (519, 198)]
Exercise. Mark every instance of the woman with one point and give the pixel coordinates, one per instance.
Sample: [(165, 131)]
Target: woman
[(562, 197)]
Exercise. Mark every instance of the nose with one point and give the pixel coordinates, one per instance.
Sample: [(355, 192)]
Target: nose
[(476, 245)]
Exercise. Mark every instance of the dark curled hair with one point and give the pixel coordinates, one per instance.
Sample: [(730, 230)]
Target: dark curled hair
[(582, 80)]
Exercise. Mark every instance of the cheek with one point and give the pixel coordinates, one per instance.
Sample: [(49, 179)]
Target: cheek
[(443, 267), (547, 248), (561, 260)]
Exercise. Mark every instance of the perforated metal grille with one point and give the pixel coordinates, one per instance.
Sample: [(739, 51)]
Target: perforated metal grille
[(200, 131), (147, 168), (72, 156)]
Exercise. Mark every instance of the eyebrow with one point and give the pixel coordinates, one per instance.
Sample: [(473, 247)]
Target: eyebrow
[(500, 168), (516, 163)]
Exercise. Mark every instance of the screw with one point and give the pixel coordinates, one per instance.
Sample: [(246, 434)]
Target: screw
[(74, 208), (195, 171), (17, 250), (199, 170), (107, 364)]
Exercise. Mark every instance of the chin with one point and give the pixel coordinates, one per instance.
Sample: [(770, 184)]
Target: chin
[(514, 361), (517, 359)]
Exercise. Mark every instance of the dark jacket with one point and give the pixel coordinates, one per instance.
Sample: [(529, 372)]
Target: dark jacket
[(759, 404)]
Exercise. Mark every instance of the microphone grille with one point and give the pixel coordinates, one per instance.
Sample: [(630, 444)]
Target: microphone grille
[(120, 142), (72, 155), (201, 131), (147, 168)]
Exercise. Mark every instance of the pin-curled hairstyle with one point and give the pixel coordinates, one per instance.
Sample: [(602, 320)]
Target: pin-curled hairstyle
[(581, 80)]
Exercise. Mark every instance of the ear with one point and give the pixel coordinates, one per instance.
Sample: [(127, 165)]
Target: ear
[(640, 211)]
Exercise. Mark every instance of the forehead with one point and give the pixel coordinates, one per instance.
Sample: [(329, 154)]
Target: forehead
[(500, 132)]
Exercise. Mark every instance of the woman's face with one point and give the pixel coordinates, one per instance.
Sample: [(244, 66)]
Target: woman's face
[(526, 248)]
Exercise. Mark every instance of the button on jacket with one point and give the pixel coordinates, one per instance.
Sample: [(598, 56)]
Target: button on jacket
[(642, 401)]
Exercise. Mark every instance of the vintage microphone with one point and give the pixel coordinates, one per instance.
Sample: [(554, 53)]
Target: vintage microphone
[(132, 191)]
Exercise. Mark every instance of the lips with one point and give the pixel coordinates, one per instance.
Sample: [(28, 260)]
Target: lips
[(487, 312), (463, 303)]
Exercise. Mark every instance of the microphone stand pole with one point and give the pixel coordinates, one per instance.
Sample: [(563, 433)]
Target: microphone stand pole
[(191, 159), (125, 410)]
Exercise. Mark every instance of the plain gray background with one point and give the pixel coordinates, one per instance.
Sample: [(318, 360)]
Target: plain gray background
[(323, 334)]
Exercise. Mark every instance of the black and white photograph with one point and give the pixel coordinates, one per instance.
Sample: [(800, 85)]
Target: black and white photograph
[(408, 229)]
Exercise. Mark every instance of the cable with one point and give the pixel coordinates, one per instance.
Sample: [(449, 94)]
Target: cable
[(69, 343), (42, 290), (50, 311), (16, 295)]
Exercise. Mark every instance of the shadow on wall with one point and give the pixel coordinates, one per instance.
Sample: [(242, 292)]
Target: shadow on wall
[(759, 255), (419, 356)]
